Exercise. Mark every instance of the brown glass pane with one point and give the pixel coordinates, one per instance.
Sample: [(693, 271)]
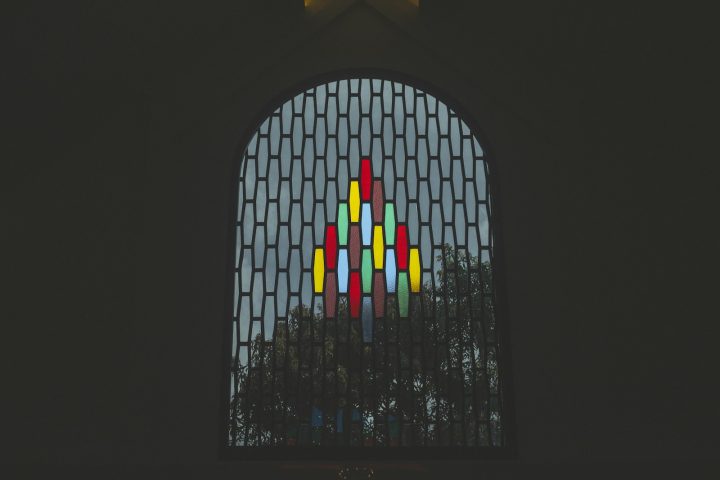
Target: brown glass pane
[(355, 246), (331, 289), (379, 294)]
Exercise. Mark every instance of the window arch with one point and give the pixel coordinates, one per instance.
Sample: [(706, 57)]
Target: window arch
[(364, 307)]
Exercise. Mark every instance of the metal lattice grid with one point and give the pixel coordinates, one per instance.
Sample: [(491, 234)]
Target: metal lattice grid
[(364, 306)]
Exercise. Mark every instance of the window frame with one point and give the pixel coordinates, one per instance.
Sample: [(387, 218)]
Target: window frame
[(357, 453)]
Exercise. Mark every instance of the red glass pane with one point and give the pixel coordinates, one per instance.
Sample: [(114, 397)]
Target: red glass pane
[(379, 294), (330, 247), (401, 247), (355, 246), (330, 294), (365, 179), (377, 201), (355, 294)]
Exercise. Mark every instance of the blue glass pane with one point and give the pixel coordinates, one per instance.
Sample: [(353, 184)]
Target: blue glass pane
[(366, 219), (317, 419), (343, 271), (339, 422), (390, 270)]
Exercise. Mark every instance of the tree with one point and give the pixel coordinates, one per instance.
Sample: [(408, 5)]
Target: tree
[(428, 379)]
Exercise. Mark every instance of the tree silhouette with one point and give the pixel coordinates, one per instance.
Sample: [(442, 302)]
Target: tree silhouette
[(428, 379)]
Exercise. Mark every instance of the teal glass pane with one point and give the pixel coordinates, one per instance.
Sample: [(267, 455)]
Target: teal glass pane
[(367, 270), (403, 293), (343, 223), (389, 224)]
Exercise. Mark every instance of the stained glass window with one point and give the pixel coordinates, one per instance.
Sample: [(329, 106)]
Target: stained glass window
[(364, 304)]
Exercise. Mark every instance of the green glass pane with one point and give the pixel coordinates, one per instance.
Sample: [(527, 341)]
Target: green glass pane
[(343, 223), (403, 293), (389, 224), (367, 270)]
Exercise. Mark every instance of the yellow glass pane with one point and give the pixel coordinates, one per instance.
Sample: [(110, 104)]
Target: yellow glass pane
[(414, 270), (378, 247), (354, 201), (319, 270)]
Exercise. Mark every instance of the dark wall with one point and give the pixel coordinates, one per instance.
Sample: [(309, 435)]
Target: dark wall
[(123, 125)]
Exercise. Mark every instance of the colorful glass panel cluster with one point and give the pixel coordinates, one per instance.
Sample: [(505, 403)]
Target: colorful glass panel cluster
[(368, 257)]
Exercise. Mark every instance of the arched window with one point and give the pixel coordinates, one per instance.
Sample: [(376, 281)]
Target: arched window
[(364, 312)]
